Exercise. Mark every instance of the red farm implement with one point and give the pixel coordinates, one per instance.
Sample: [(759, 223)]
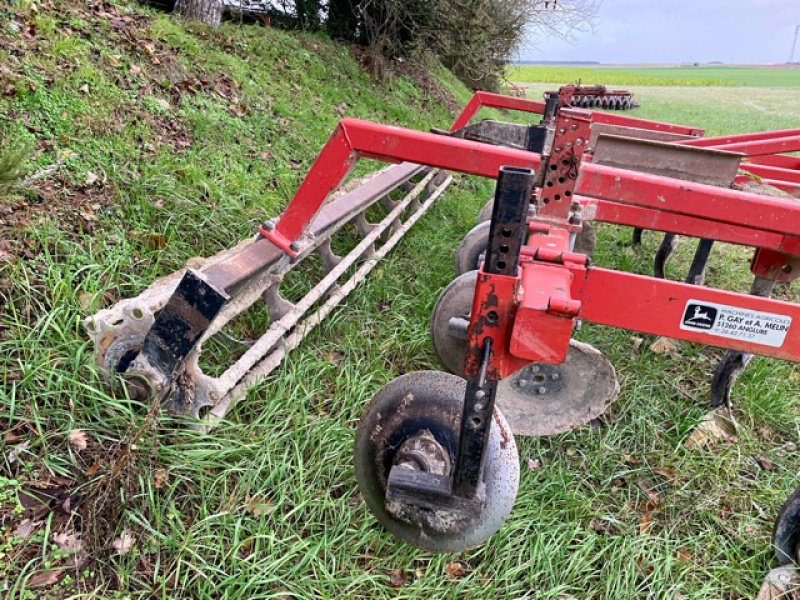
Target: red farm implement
[(435, 456)]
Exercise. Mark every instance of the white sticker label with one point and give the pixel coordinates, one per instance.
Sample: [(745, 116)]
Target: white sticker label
[(735, 323)]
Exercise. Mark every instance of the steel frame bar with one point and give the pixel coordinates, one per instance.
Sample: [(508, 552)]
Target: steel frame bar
[(778, 160), (765, 147), (773, 173), (746, 216), (490, 100), (354, 139), (725, 140), (754, 211), (656, 307)]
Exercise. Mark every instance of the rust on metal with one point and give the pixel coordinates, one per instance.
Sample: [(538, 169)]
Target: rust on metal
[(701, 165)]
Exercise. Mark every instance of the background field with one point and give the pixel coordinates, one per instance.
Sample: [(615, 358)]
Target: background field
[(267, 506), (662, 76)]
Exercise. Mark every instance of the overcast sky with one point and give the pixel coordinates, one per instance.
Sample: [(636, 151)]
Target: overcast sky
[(679, 31)]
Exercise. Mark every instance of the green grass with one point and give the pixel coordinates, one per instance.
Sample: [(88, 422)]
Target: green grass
[(287, 447), (659, 76)]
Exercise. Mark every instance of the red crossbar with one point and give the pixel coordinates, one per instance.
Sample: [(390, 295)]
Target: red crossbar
[(764, 147), (490, 100), (723, 140), (657, 306), (354, 139), (784, 162), (722, 205), (776, 173)]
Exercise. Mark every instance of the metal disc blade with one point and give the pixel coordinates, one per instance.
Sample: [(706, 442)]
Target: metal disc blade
[(545, 399)]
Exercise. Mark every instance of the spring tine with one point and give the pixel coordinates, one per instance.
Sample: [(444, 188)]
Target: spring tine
[(667, 247), (735, 362), (277, 304), (329, 258), (697, 270)]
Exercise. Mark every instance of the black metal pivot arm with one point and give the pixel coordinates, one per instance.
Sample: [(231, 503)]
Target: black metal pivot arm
[(508, 229), (458, 489), (507, 233)]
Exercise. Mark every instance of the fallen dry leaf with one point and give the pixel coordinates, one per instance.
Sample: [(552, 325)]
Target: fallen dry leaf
[(534, 464), (134, 70), (44, 578), (155, 241), (456, 569), (644, 522), (764, 462), (84, 89), (78, 440), (666, 346), (665, 472), (68, 542), (637, 343), (603, 527), (159, 478), (27, 528), (124, 543), (93, 468), (91, 178), (398, 578), (258, 505), (715, 427), (653, 497), (14, 454)]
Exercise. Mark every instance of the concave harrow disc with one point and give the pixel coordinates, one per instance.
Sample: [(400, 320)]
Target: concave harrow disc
[(540, 399)]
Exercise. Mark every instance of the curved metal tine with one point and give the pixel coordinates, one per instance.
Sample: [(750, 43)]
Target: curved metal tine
[(364, 227), (327, 255), (277, 304), (668, 245), (734, 362), (636, 240), (697, 270), (389, 203)]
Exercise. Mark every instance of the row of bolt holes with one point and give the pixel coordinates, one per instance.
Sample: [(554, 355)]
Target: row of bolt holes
[(492, 318), (561, 181)]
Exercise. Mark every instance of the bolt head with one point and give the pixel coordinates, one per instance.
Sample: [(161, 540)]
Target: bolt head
[(294, 246), (542, 390), (268, 225)]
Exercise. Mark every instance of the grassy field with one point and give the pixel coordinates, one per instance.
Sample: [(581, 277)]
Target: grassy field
[(659, 76), (267, 506)]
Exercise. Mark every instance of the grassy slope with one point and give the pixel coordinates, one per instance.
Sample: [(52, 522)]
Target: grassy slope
[(287, 448)]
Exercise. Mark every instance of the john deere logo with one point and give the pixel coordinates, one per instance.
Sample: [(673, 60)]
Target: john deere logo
[(699, 316)]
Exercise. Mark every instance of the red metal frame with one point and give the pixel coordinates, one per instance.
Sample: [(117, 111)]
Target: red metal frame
[(353, 139), (554, 287), (490, 100)]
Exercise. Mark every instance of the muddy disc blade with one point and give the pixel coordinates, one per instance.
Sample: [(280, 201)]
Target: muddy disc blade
[(545, 399)]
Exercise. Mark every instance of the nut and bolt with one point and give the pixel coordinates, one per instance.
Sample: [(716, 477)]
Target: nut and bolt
[(268, 225)]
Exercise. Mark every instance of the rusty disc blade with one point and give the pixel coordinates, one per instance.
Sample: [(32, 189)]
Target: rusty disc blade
[(543, 399)]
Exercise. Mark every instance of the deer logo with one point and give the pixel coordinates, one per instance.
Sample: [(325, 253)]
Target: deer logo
[(699, 316)]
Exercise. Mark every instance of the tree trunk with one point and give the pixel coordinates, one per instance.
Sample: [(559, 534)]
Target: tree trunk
[(207, 11)]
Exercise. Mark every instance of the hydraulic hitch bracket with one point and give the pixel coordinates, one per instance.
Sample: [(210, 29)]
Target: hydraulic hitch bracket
[(461, 490)]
